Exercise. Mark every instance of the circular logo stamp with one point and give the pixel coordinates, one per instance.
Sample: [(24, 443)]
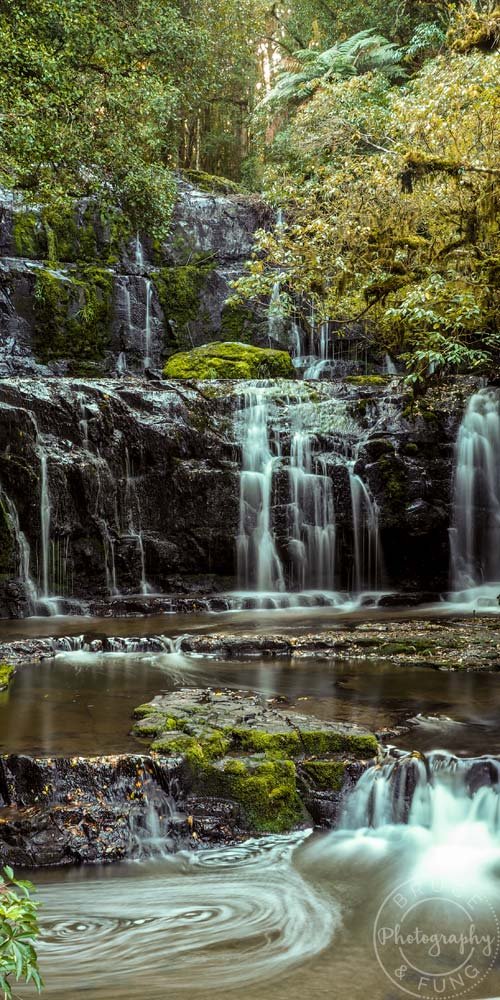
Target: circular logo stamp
[(436, 941)]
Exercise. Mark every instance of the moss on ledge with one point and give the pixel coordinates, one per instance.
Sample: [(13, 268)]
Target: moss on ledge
[(7, 672), (211, 183), (367, 380), (230, 360)]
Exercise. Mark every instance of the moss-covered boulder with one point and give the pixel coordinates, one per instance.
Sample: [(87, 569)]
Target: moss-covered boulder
[(236, 747), (229, 360), (6, 674)]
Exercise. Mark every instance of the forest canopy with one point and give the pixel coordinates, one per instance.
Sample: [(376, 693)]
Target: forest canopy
[(374, 125)]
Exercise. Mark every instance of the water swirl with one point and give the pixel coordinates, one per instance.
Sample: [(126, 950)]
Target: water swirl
[(174, 926)]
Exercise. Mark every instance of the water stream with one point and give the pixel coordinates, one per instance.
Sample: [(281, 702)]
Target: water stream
[(475, 531), (287, 540)]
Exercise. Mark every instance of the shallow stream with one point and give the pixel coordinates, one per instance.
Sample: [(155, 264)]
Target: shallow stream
[(284, 917)]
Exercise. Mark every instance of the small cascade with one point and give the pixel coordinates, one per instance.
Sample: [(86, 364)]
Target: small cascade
[(121, 363), (312, 536), (438, 792), (275, 315), (389, 366), (475, 532), (139, 252), (108, 539), (133, 514), (147, 324), (158, 823), (48, 558), (365, 526), (23, 552), (287, 534), (259, 565)]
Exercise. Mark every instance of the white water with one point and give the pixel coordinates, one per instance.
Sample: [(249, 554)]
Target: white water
[(258, 562), (133, 514), (287, 530), (365, 526), (147, 324), (313, 534), (23, 553), (475, 532)]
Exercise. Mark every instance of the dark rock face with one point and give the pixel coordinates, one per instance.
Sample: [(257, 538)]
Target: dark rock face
[(57, 812), (123, 487), (140, 480), (114, 299)]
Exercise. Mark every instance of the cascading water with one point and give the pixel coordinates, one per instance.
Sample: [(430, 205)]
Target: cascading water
[(147, 323), (259, 565), (367, 553), (437, 792), (133, 514), (23, 552), (312, 536), (287, 532), (475, 532)]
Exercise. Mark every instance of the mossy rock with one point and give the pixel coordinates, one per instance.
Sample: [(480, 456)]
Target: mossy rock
[(179, 292), (322, 775), (265, 789), (230, 360), (211, 183), (367, 380), (7, 672)]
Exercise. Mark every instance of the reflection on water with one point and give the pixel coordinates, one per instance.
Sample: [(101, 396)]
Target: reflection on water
[(297, 620), (83, 702)]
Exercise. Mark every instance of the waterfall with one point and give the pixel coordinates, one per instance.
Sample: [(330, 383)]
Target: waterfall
[(438, 792), (475, 532), (389, 366), (23, 552), (139, 252), (312, 538), (259, 565), (45, 517), (287, 528), (121, 363), (147, 326), (133, 515), (367, 556)]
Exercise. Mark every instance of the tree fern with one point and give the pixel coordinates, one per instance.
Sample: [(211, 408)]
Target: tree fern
[(364, 52)]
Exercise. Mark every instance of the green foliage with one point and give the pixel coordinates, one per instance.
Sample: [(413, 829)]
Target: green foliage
[(391, 201), (363, 52), (229, 360), (18, 933)]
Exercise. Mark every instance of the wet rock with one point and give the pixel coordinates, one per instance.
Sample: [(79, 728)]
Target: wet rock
[(65, 811), (240, 748)]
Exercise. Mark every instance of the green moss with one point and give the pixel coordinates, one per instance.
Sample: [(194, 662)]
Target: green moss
[(295, 742), (229, 361), (394, 478), (366, 380), (322, 775), (179, 291), (237, 323), (266, 790), (28, 235), (211, 182), (7, 544), (6, 674), (73, 314)]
